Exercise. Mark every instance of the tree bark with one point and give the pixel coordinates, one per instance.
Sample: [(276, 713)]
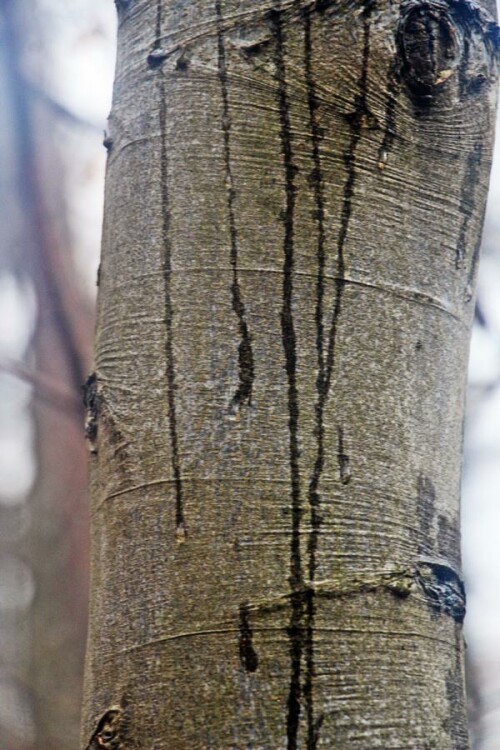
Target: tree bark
[(295, 194)]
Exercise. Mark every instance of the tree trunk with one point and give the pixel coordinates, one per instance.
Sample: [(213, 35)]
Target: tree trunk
[(294, 200)]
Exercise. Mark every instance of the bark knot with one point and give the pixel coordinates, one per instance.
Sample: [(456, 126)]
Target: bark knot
[(108, 735), (438, 39), (92, 403), (430, 46), (443, 587)]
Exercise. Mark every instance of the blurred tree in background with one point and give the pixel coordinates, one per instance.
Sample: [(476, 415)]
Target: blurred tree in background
[(47, 324), (56, 67)]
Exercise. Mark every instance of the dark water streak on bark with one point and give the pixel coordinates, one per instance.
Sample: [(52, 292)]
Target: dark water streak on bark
[(243, 394), (295, 629), (313, 495), (180, 526)]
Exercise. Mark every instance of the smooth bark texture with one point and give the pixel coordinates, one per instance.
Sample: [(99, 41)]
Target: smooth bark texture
[(294, 201)]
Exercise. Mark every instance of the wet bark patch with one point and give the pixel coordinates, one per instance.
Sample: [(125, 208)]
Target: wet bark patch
[(243, 395), (248, 656)]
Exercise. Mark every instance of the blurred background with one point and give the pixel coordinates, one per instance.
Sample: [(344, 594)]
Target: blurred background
[(56, 71)]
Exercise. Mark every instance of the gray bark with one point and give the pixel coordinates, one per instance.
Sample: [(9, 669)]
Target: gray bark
[(294, 201)]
